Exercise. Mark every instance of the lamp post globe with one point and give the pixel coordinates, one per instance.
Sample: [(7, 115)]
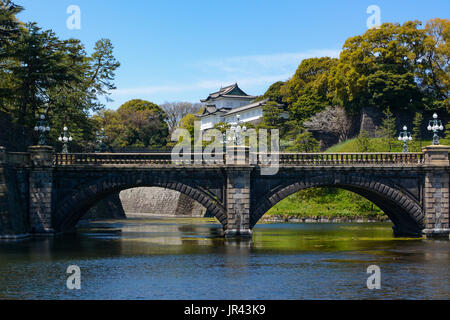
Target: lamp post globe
[(435, 126), (405, 136), (239, 129), (101, 136), (64, 138), (41, 128)]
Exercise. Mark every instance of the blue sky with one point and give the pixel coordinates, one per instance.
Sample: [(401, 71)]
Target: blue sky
[(183, 50)]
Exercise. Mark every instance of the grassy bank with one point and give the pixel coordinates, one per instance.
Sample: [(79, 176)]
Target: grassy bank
[(326, 202), (338, 203), (380, 145)]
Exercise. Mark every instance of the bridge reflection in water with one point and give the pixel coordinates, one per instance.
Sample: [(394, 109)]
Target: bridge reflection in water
[(189, 259), (411, 188)]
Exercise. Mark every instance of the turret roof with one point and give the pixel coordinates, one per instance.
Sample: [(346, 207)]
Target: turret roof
[(232, 91)]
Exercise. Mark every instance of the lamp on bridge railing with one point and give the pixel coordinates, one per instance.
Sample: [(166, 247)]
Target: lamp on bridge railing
[(101, 146), (42, 127), (65, 138), (237, 132), (435, 125), (405, 136)]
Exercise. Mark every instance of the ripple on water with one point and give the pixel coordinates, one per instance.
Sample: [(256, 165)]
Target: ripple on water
[(189, 259)]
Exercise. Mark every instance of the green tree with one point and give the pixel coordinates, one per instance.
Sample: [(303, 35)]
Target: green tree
[(136, 124), (222, 126), (435, 78), (145, 125), (387, 129), (41, 73), (273, 116), (417, 129), (114, 127), (38, 69), (447, 131), (102, 69), (273, 93), (391, 65), (304, 142), (308, 92), (188, 123), (9, 33), (363, 141)]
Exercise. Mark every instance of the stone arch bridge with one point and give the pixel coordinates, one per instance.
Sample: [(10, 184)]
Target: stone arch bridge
[(46, 193)]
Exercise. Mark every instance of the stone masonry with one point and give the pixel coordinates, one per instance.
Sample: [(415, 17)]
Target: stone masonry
[(41, 189), (436, 192), (238, 202), (159, 201), (44, 193)]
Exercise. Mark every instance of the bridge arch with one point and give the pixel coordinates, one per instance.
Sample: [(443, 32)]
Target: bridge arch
[(71, 208), (403, 210)]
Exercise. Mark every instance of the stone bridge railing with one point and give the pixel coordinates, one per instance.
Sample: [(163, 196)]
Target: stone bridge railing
[(302, 159), (350, 158), (30, 182)]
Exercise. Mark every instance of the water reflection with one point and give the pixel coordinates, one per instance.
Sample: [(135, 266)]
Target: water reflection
[(189, 259)]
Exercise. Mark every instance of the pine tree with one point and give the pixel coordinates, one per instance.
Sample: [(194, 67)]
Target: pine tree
[(362, 141), (417, 130), (305, 142), (387, 128)]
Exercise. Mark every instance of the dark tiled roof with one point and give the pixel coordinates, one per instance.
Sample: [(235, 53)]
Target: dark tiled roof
[(249, 106), (232, 91), (212, 109), (228, 111)]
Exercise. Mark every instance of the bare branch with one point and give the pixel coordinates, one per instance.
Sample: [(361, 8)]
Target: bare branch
[(333, 120), (177, 110)]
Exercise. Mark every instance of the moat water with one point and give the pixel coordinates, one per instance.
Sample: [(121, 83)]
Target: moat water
[(182, 258)]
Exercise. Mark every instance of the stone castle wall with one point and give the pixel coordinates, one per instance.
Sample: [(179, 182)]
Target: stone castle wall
[(146, 201), (159, 201)]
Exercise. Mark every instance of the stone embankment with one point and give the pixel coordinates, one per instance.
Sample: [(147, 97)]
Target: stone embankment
[(144, 202)]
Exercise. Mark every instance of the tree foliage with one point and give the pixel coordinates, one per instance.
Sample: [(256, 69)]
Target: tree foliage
[(136, 124), (387, 129), (40, 73), (307, 92), (363, 142), (273, 93), (417, 130), (273, 116), (304, 142), (402, 66)]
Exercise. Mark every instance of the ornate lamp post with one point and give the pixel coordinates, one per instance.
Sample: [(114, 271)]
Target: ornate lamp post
[(101, 140), (405, 136), (65, 137), (224, 138), (435, 125), (42, 127), (238, 129)]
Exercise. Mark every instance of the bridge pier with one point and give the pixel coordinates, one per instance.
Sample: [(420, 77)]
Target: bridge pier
[(238, 202), (41, 190), (436, 193)]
